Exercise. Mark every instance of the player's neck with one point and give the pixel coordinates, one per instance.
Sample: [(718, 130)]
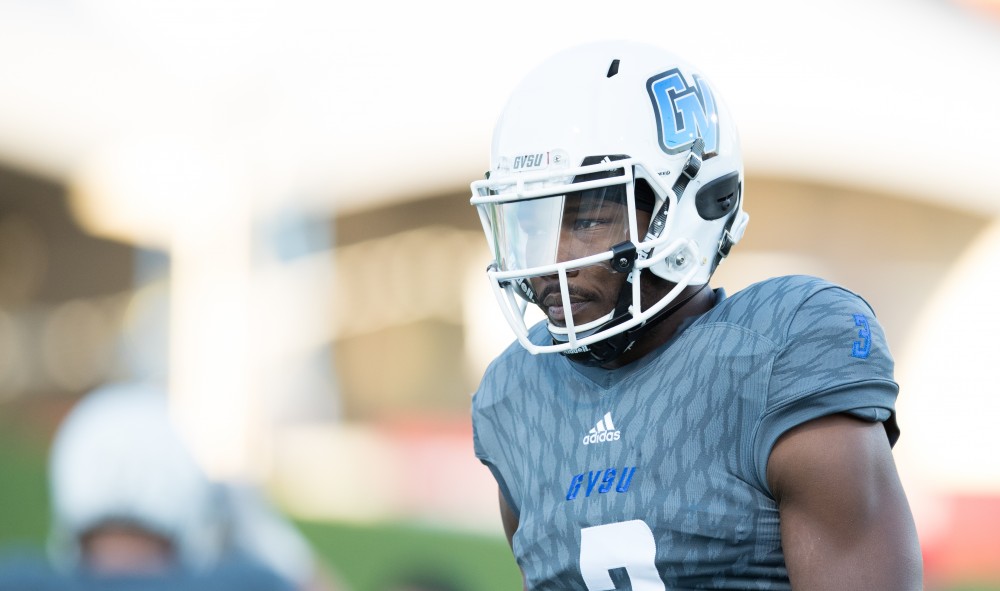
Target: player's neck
[(665, 329)]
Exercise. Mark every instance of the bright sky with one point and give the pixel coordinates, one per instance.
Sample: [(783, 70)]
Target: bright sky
[(316, 99)]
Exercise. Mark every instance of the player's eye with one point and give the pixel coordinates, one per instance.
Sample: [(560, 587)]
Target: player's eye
[(588, 223)]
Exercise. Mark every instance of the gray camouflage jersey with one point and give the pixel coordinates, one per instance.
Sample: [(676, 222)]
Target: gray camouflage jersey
[(652, 476)]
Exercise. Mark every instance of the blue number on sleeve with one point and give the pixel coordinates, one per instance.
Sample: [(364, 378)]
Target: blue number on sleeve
[(862, 347)]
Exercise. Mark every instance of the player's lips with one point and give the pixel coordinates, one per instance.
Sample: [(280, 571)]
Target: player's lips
[(556, 311)]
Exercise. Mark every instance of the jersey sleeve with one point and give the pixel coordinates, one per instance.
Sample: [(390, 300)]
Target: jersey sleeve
[(833, 359), (491, 440)]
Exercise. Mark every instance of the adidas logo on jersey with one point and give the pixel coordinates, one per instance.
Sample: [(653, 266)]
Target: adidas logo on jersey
[(604, 431)]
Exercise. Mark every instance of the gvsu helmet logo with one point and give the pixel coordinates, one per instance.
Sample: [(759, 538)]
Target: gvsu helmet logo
[(684, 112)]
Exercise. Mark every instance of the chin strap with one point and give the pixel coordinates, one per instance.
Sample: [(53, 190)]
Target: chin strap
[(688, 172)]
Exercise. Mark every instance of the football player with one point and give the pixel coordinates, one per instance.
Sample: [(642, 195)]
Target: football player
[(129, 501), (653, 432)]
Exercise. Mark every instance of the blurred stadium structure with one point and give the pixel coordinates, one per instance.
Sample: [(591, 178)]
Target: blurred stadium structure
[(267, 204)]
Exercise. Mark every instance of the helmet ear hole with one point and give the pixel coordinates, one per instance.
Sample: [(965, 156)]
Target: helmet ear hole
[(718, 197)]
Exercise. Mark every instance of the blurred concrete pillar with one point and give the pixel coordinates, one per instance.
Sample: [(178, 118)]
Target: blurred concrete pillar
[(949, 373), (184, 195)]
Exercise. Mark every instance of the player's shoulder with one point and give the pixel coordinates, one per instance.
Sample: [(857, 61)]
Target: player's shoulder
[(785, 292), (505, 374), (777, 307)]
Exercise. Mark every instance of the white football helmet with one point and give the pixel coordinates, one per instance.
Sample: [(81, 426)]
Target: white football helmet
[(117, 458), (615, 122)]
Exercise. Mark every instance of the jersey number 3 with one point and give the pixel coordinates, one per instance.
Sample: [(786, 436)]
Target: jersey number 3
[(625, 545)]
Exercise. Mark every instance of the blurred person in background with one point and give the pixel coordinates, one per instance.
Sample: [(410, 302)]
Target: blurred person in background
[(651, 432), (130, 506)]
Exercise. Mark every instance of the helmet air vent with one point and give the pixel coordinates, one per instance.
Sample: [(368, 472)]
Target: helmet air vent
[(614, 68)]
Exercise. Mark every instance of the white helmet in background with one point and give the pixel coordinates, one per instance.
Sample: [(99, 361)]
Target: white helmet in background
[(117, 458), (635, 124)]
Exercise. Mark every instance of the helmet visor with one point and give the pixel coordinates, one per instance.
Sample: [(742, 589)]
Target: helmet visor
[(532, 235)]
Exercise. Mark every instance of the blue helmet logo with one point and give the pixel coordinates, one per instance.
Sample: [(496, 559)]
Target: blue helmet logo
[(684, 112)]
